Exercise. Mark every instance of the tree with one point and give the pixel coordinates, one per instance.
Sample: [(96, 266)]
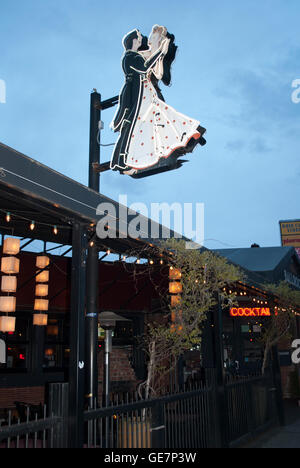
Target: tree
[(203, 276), (279, 325)]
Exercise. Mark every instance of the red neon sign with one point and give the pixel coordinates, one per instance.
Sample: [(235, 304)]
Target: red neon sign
[(249, 312)]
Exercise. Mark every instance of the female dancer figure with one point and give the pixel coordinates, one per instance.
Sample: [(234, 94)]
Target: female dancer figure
[(152, 134)]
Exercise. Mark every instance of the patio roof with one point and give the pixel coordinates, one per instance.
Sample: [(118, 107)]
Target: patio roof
[(30, 190)]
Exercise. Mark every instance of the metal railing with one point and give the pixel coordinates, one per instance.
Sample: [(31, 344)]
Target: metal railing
[(200, 415), (251, 406), (187, 418), (32, 433)]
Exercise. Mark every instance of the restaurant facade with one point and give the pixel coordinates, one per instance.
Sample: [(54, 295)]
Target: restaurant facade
[(57, 338)]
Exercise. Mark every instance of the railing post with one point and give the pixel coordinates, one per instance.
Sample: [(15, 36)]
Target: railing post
[(278, 385), (59, 406), (158, 428)]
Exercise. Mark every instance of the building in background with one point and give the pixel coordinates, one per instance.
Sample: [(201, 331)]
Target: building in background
[(268, 265)]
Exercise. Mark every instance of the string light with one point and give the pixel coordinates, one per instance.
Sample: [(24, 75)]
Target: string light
[(8, 217), (32, 225), (55, 230)]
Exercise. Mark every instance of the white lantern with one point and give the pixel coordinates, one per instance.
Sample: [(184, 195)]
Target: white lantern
[(41, 304), (42, 262), (7, 304), (11, 246), (10, 265), (41, 290), (9, 284), (7, 324), (40, 319), (43, 277)]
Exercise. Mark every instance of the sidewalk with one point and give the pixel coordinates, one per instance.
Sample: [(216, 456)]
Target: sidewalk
[(287, 437), (282, 437)]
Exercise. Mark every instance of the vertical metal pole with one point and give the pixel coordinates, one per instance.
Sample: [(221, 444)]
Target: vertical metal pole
[(106, 376), (106, 381), (221, 387), (91, 321), (95, 119), (77, 362)]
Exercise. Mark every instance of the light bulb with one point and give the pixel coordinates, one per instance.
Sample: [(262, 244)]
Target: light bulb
[(55, 230), (8, 217), (32, 225)]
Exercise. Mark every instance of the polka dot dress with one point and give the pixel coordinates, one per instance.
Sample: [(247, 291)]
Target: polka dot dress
[(159, 130)]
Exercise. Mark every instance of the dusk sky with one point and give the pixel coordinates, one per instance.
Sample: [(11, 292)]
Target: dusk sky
[(234, 71)]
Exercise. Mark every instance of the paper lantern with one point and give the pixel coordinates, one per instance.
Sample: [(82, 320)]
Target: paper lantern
[(175, 288), (42, 262), (9, 284), (11, 246), (40, 319), (7, 324), (10, 265), (7, 304), (41, 290), (174, 274), (52, 330), (41, 304), (43, 277), (175, 301)]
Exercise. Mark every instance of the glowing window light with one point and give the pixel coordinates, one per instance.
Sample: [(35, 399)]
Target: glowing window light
[(9, 284), (10, 265), (11, 246)]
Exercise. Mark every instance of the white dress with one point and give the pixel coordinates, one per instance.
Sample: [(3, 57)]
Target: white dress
[(158, 132)]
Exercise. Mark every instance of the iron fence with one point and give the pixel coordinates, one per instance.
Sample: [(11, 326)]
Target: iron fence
[(251, 406), (184, 418), (32, 433), (204, 414)]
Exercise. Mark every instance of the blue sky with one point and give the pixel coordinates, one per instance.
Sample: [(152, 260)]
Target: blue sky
[(234, 71)]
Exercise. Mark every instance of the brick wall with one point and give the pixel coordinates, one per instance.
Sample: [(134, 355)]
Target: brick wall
[(122, 375), (31, 395)]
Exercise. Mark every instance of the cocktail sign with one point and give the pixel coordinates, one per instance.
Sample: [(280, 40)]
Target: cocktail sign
[(153, 135)]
